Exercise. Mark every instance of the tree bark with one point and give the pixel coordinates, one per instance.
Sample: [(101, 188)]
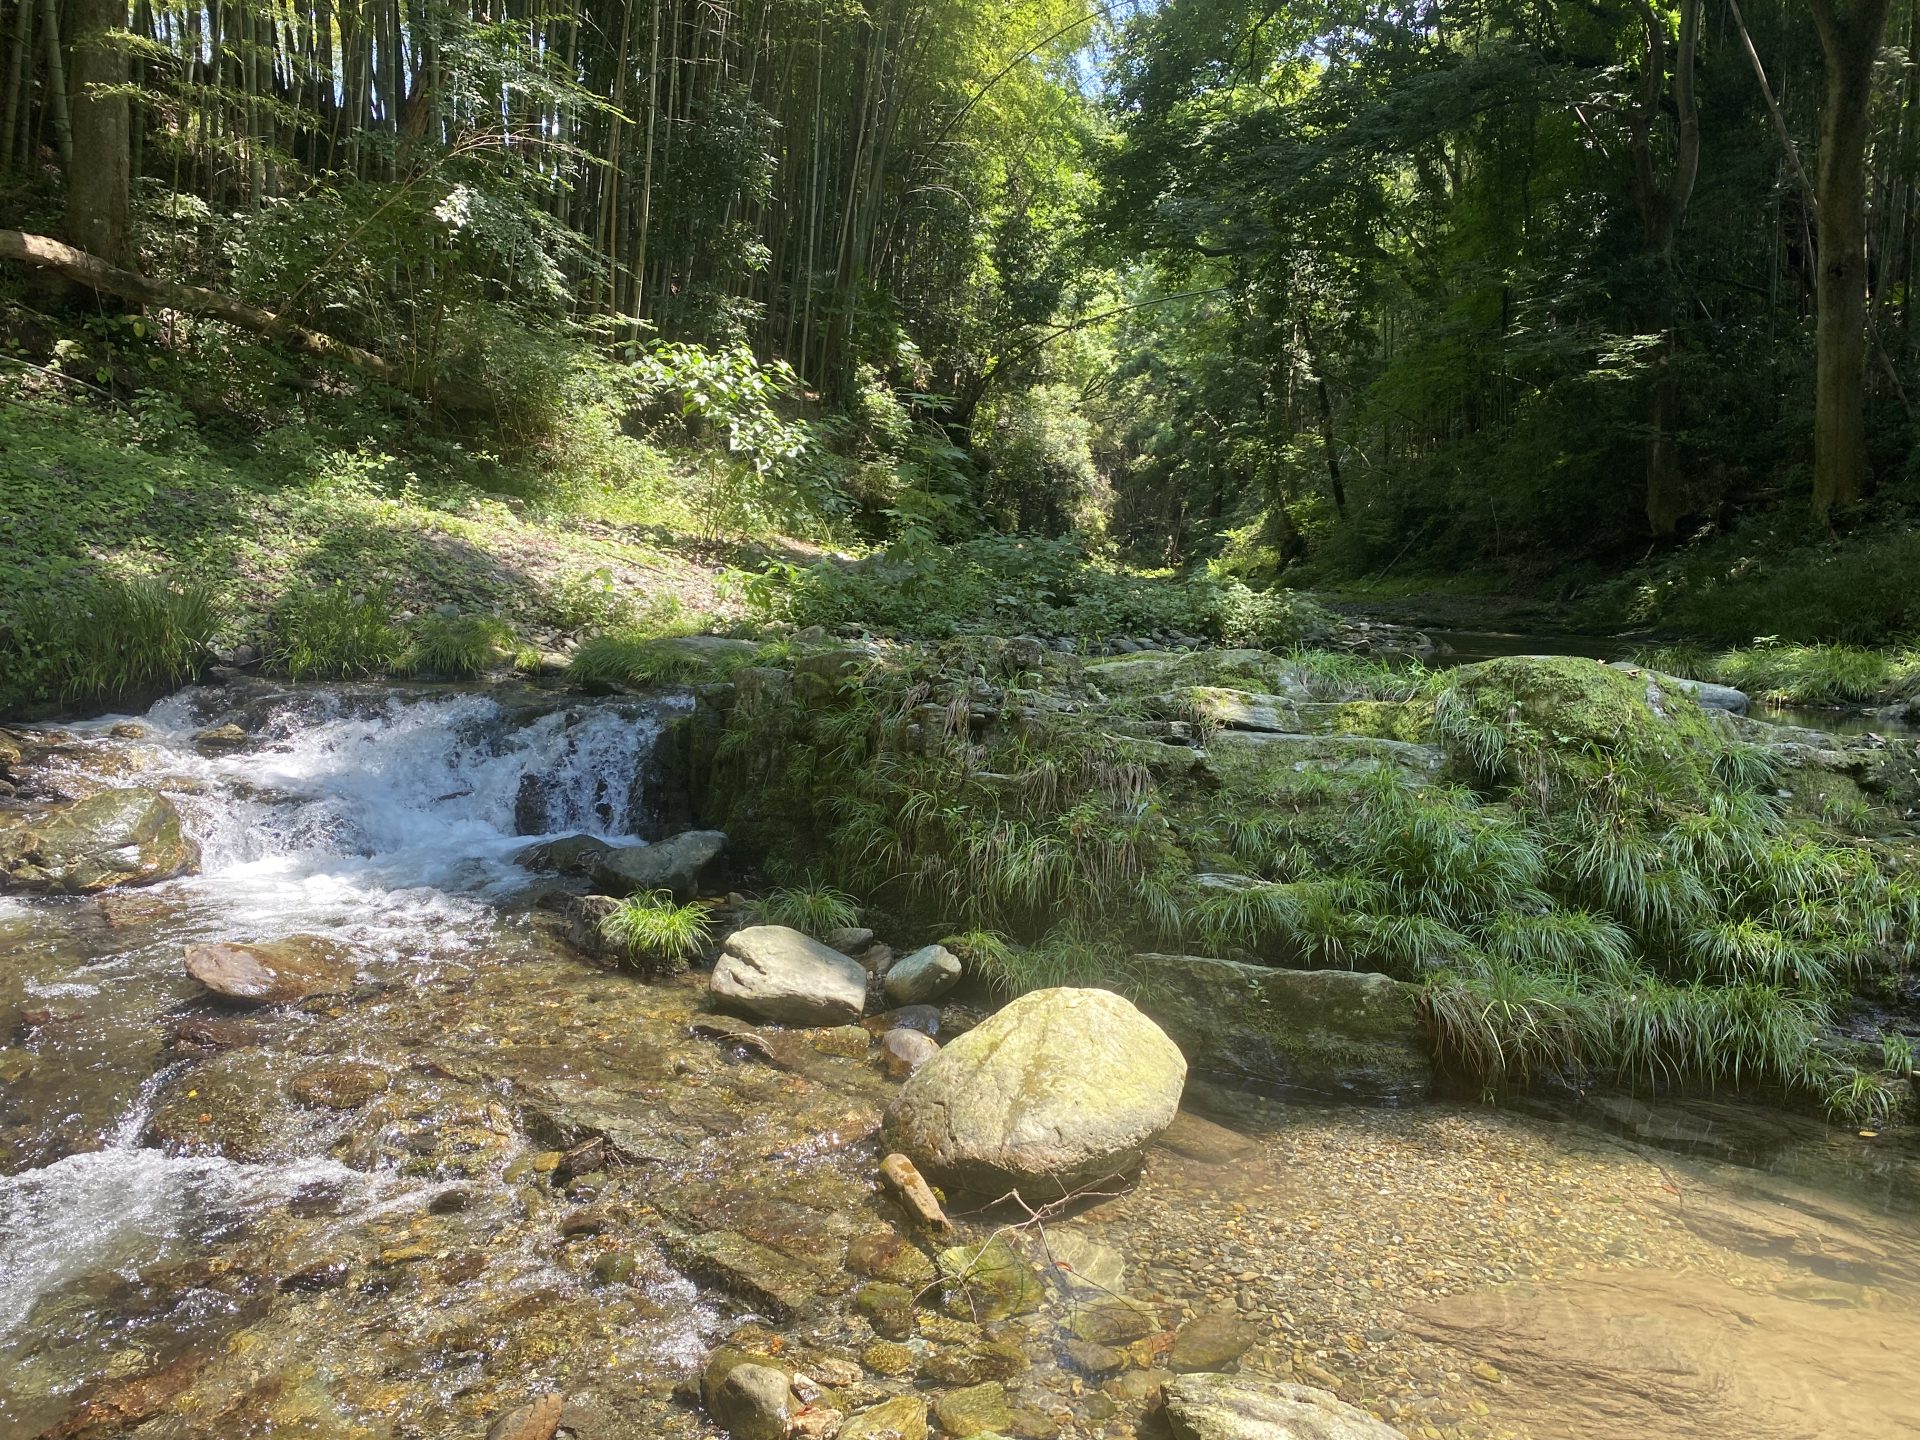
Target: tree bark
[(1662, 204), (98, 185), (1850, 33), (97, 274)]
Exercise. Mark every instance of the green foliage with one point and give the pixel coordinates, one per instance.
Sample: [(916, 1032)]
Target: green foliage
[(812, 908), (1819, 674), (657, 934), (110, 638), (1022, 585), (459, 647), (335, 633)]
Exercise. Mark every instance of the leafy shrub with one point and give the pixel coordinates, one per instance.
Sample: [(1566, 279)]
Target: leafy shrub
[(1010, 585), (335, 633)]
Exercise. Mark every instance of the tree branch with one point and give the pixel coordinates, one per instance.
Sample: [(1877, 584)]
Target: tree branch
[(42, 252)]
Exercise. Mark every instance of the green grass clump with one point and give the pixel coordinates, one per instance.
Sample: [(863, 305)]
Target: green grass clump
[(459, 647), (1820, 674), (657, 935), (119, 638), (335, 633), (813, 908)]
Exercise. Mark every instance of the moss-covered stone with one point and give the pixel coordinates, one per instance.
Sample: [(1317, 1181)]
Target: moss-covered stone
[(1408, 720), (1335, 1032), (1553, 726), (989, 1282)]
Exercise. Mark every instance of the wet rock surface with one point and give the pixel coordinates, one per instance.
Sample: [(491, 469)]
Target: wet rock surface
[(128, 836), (1222, 1407), (274, 972), (1336, 1032), (686, 866), (489, 1176)]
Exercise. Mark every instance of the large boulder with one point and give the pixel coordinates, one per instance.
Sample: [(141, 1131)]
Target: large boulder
[(1343, 1033), (769, 972), (686, 866), (1060, 1089), (117, 837), (1243, 1407), (274, 972), (1554, 726)]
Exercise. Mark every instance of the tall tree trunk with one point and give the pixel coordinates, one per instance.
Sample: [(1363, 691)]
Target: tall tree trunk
[(98, 187), (57, 82), (1850, 33), (1662, 203)]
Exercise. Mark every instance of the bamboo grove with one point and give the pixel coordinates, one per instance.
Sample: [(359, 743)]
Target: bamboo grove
[(779, 171)]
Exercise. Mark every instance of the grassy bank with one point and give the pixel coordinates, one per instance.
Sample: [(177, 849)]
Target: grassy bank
[(1585, 886), (138, 550)]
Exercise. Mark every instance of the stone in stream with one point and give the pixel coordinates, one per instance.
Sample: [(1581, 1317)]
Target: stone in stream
[(339, 1084), (221, 739), (569, 855), (889, 1256), (534, 1421), (272, 972), (1062, 1089), (1710, 696), (849, 939), (1079, 1264), (117, 837), (1336, 1032), (764, 1278), (1210, 1342), (989, 1282), (754, 1402), (903, 1051), (977, 1410), (888, 1308), (687, 866), (922, 977), (924, 1018), (902, 1418), (772, 973), (1237, 1407)]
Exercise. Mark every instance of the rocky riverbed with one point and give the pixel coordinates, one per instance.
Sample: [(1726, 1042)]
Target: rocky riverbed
[(472, 1172)]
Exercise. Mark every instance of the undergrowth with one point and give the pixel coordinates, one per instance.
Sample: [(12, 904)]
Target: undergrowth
[(1601, 885)]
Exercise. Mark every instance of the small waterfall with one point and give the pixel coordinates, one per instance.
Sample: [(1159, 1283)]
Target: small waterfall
[(386, 819)]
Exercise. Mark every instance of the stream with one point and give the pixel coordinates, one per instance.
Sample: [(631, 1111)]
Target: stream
[(362, 1216)]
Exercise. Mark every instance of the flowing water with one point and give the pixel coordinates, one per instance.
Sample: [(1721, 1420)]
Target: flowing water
[(350, 1217)]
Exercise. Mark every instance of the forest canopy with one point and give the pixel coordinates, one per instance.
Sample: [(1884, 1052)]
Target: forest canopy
[(1332, 290)]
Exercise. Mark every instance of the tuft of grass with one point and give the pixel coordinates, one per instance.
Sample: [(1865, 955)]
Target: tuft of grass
[(1819, 674), (459, 647), (656, 934), (335, 633), (123, 637), (814, 909)]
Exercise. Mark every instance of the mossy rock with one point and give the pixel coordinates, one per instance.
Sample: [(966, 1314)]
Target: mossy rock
[(1554, 726), (1334, 1032), (1407, 720), (989, 1282), (902, 1418), (117, 837)]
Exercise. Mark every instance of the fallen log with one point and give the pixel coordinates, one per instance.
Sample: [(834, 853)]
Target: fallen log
[(77, 266)]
